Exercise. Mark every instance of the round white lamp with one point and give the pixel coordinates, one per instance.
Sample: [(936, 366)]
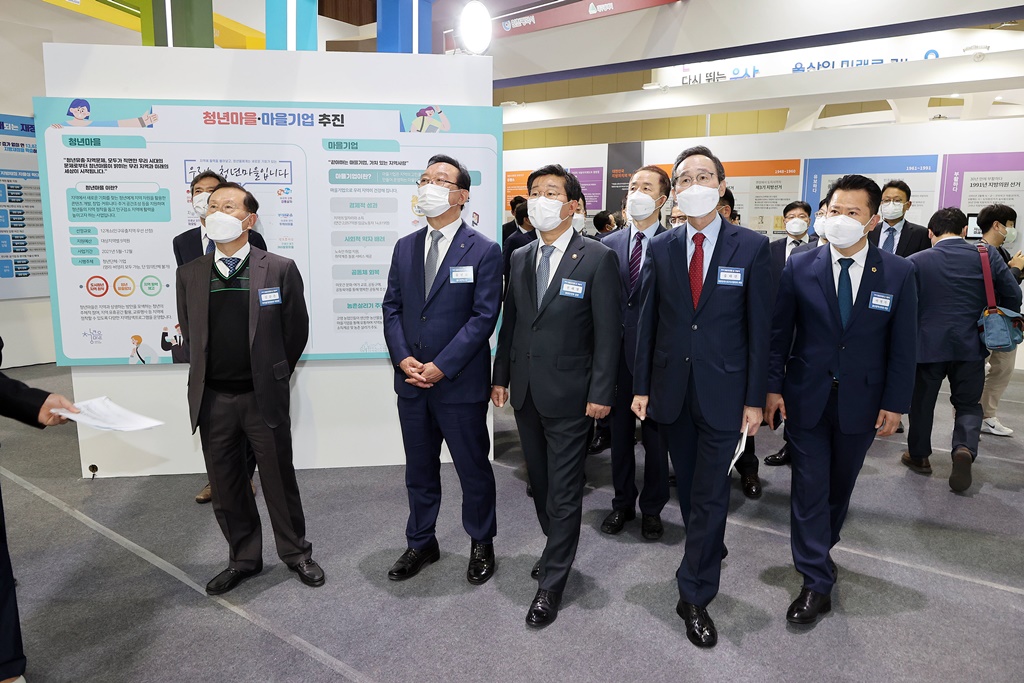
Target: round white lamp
[(475, 27)]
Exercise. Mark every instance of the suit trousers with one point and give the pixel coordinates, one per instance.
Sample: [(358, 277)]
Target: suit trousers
[(700, 456), (555, 449), (1001, 364), (12, 653), (655, 492), (966, 383), (226, 421), (826, 463), (426, 422)]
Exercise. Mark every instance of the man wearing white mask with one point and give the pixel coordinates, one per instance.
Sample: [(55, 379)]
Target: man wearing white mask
[(557, 351), (189, 246), (440, 308), (701, 364), (649, 189), (242, 311), (841, 372), (894, 233)]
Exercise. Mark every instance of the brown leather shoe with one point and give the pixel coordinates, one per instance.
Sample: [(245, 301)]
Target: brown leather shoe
[(921, 466), (960, 477), (204, 496)]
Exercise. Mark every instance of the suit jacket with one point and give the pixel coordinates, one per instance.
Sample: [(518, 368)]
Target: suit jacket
[(1017, 275), (277, 333), (508, 229), (874, 358), (188, 245), (451, 325), (517, 240), (913, 238), (724, 342), (566, 353), (778, 248), (619, 242), (951, 297), (18, 400)]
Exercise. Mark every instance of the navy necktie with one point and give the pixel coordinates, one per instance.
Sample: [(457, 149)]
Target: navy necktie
[(890, 240), (635, 261), (231, 262), (210, 246), (845, 292)]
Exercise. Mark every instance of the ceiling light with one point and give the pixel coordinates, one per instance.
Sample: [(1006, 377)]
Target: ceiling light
[(475, 27), (999, 98), (654, 86), (956, 94)]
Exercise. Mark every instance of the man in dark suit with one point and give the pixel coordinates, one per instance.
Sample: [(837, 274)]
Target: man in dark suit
[(524, 235), (440, 308), (20, 402), (188, 246), (798, 219), (840, 373), (509, 229), (243, 314), (701, 357), (557, 348), (649, 189), (894, 233), (951, 295)]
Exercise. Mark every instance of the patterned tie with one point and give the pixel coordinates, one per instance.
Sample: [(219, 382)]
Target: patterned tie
[(211, 246), (543, 272), (845, 292), (697, 268), (231, 262), (430, 267), (635, 259), (890, 240)]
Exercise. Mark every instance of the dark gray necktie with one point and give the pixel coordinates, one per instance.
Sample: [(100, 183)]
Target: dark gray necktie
[(543, 272), (430, 267)]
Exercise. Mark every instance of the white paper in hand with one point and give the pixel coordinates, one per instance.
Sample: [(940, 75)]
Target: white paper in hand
[(739, 450), (102, 413)]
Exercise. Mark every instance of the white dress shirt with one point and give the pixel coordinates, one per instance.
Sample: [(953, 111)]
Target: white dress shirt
[(648, 234), (711, 234), (896, 238), (856, 268), (790, 246), (447, 235), (560, 245), (222, 267)]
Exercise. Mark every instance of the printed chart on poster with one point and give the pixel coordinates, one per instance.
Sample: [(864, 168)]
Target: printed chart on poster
[(23, 270), (591, 182), (920, 172), (761, 190), (336, 184)]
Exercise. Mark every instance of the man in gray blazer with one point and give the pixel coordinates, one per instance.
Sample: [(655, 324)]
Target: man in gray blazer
[(244, 318), (558, 349)]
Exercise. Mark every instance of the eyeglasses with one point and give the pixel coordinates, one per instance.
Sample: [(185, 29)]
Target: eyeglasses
[(676, 221), (436, 181), (894, 202), (550, 194), (685, 181)]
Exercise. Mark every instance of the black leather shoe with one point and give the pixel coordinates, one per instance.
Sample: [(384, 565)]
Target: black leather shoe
[(808, 605), (481, 563), (671, 480), (601, 442), (651, 527), (229, 579), (529, 490), (921, 466), (412, 561), (751, 485), (899, 427), (960, 477), (614, 522), (699, 628), (535, 572), (309, 573), (544, 609), (725, 552), (779, 458)]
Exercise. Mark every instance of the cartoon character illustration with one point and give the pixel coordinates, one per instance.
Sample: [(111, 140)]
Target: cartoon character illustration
[(141, 354), (426, 123), (174, 343), (80, 110)]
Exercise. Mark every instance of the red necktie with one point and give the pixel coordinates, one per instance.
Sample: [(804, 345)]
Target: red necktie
[(697, 268)]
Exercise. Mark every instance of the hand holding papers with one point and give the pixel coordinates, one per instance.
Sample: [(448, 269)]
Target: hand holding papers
[(102, 413), (739, 449)]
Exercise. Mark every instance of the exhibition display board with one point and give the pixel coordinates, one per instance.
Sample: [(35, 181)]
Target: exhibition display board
[(23, 271)]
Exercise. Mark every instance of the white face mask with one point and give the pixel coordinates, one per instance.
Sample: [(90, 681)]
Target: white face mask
[(1011, 233), (432, 200), (796, 226), (545, 214), (199, 202), (640, 205), (697, 200), (842, 231), (223, 227), (891, 210), (578, 222)]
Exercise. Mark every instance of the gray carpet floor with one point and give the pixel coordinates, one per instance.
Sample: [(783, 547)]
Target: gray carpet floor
[(111, 571)]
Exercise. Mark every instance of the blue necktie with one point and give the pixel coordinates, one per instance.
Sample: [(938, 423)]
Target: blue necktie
[(210, 246), (845, 292), (231, 262), (543, 272), (890, 240)]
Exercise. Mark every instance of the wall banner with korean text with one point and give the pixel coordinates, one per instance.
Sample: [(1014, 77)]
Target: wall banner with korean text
[(336, 184), (22, 247)]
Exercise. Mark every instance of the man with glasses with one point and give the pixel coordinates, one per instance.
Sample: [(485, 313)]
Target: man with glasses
[(440, 308), (894, 233), (677, 218), (557, 350), (701, 365)]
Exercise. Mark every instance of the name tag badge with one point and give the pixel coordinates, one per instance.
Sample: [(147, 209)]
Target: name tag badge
[(572, 288), (732, 277), (880, 302), (271, 296), (458, 275)]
